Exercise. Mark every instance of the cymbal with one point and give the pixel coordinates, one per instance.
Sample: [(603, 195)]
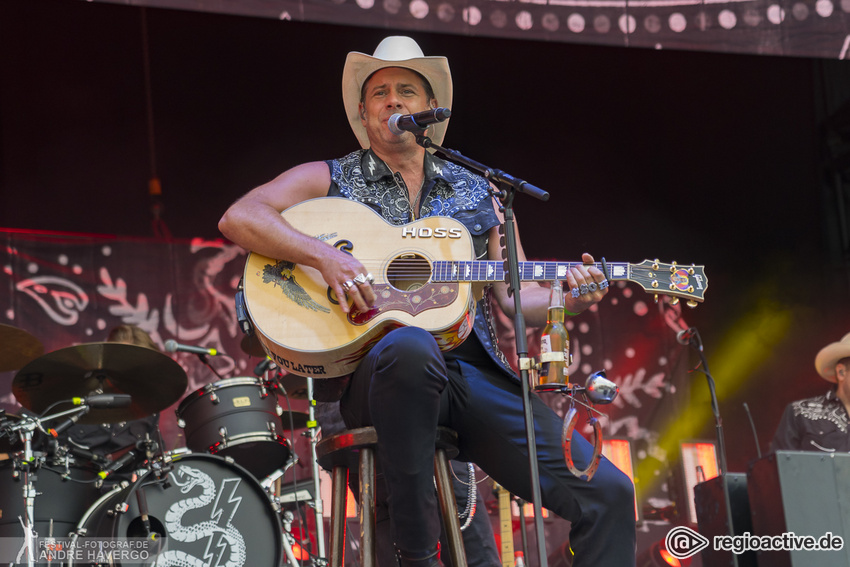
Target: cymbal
[(17, 348), (154, 380), (299, 420), (251, 346)]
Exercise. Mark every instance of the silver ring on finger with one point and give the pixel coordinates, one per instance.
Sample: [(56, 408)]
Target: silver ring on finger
[(583, 289), (370, 278), (574, 292), (347, 285), (360, 279), (592, 286), (603, 284)]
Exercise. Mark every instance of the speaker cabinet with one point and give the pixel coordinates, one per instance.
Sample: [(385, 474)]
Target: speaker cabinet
[(723, 509), (805, 494)]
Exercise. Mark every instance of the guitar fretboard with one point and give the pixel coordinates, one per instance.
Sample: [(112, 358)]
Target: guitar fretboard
[(493, 270)]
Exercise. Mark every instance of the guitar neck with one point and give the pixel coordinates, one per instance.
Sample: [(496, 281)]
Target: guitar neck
[(507, 529), (493, 270), (684, 282)]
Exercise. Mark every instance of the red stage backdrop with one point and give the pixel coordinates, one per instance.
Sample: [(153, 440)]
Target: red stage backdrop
[(69, 289)]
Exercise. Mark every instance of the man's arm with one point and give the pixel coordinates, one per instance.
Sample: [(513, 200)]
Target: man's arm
[(254, 223), (535, 298)]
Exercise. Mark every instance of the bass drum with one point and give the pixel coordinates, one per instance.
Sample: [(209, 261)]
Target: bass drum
[(204, 505), (61, 499), (238, 418)]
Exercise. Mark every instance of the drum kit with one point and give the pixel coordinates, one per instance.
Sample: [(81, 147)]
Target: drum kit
[(216, 502)]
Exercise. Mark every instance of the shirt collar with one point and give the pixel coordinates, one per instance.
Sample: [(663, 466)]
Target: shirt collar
[(374, 168)]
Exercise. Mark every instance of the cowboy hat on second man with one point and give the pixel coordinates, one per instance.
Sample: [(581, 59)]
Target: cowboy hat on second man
[(830, 355)]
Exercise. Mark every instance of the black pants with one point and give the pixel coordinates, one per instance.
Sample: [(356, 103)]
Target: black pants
[(405, 387)]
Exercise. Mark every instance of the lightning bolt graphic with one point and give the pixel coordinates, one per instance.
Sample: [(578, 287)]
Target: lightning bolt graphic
[(224, 508), (371, 166)]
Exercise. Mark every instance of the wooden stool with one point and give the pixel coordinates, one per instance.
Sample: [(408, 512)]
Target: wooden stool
[(337, 452)]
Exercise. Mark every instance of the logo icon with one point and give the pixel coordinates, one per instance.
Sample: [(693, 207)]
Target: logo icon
[(683, 542)]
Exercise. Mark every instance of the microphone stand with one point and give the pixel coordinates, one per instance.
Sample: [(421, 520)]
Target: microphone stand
[(206, 362), (318, 510), (508, 186), (696, 342)]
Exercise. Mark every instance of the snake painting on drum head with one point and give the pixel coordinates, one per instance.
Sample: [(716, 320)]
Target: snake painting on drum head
[(207, 512), (238, 418)]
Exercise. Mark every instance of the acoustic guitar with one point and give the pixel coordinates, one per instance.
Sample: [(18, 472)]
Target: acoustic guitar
[(424, 277)]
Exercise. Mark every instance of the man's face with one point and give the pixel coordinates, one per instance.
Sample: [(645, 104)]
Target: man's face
[(391, 90)]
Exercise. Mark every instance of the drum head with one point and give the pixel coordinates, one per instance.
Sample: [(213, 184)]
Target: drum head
[(204, 506), (62, 497)]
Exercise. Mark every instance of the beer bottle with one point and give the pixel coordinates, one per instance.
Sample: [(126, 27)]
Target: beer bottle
[(555, 342)]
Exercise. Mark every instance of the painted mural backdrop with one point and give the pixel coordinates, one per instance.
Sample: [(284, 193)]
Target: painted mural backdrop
[(814, 28), (66, 290)]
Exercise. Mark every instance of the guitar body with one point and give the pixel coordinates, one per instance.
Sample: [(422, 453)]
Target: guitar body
[(297, 318)]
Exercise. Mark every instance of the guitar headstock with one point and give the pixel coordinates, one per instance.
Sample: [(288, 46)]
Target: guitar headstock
[(680, 282)]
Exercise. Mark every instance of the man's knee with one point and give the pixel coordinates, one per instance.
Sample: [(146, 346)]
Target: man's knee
[(619, 491), (408, 352)]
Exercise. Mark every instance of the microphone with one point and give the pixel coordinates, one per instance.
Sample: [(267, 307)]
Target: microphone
[(401, 123), (685, 336), (263, 366), (118, 464), (86, 454), (104, 401), (173, 346), (65, 425)]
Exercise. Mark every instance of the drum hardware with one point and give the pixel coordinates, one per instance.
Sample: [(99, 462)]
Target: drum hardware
[(288, 539), (28, 462), (152, 379), (292, 382), (312, 433)]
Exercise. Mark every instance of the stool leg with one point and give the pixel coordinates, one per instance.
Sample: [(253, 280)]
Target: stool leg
[(338, 502), (449, 508), (367, 507)]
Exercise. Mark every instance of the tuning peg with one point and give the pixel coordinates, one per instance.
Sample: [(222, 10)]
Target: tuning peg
[(673, 267), (674, 301), (655, 297), (692, 303)]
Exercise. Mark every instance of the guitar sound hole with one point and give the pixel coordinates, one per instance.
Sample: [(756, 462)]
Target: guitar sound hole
[(408, 272)]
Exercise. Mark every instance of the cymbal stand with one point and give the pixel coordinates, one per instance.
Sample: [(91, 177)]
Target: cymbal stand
[(25, 428), (318, 509)]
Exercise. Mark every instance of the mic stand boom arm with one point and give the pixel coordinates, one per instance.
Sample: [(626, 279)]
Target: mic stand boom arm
[(508, 186)]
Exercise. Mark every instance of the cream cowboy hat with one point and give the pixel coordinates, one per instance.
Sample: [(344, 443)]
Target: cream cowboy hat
[(829, 356), (394, 51)]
